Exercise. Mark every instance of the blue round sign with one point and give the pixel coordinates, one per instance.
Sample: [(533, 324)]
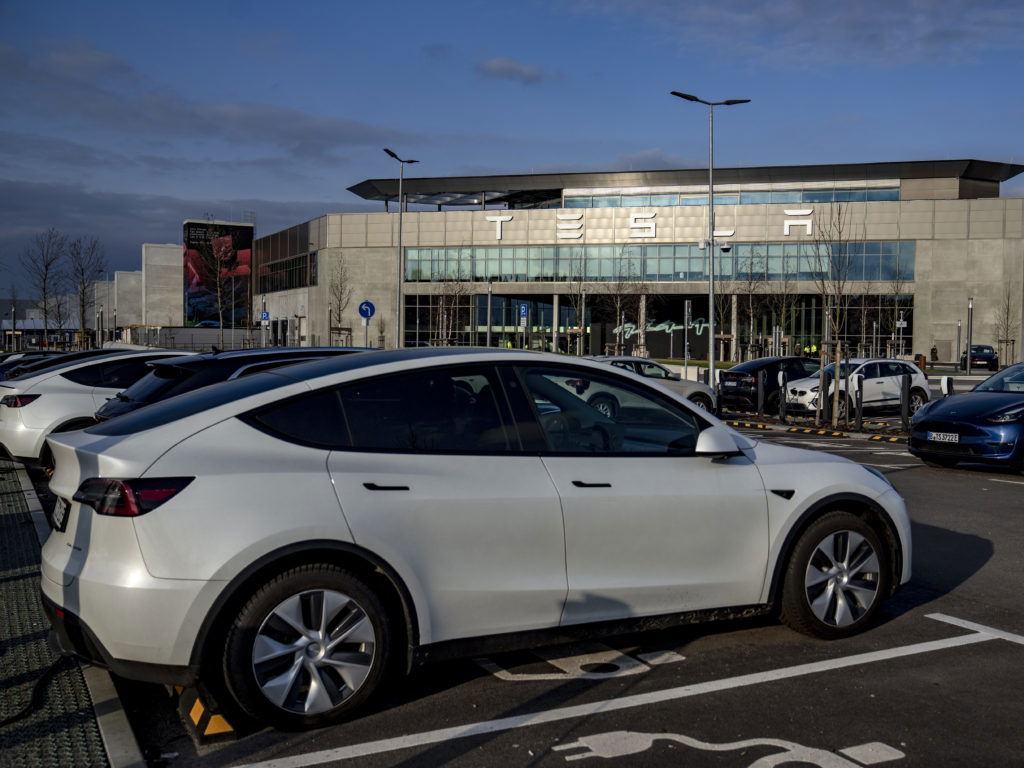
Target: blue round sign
[(366, 309)]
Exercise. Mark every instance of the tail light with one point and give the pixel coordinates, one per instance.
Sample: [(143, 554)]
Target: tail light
[(17, 401), (129, 498)]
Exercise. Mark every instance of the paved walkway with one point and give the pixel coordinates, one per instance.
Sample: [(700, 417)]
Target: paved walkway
[(58, 726)]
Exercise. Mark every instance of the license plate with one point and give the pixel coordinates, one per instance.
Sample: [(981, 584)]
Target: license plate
[(730, 383), (944, 437), (59, 516)]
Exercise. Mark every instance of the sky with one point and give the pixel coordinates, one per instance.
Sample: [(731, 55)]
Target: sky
[(118, 120)]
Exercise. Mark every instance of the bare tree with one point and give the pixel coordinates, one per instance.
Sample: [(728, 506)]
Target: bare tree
[(339, 294), (782, 297), (832, 274), (577, 282), (750, 282), (451, 305), (43, 264), (218, 260), (86, 264), (622, 294), (1007, 324)]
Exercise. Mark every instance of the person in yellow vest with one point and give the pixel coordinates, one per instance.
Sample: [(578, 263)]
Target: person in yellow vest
[(807, 350), (814, 349)]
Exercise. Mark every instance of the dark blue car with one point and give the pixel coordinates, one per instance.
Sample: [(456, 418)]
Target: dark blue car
[(984, 425)]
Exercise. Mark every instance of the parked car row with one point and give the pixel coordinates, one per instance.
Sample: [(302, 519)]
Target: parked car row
[(289, 536)]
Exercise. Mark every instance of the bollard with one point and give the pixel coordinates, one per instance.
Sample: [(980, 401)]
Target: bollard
[(783, 386), (760, 391), (858, 384), (946, 385), (905, 400), (823, 397)]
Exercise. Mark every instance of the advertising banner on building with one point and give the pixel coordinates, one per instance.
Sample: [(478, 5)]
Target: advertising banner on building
[(217, 268)]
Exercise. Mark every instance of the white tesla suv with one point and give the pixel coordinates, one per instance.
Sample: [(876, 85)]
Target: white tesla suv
[(287, 537), (882, 383), (64, 396)]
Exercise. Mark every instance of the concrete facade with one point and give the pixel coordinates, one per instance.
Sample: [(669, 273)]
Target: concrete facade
[(162, 292), (964, 248)]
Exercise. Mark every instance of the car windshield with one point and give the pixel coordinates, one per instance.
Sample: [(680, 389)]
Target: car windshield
[(1008, 380), (982, 349)]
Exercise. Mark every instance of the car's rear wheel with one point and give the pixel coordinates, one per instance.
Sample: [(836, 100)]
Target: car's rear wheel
[(605, 404), (701, 401), (836, 577), (308, 648)]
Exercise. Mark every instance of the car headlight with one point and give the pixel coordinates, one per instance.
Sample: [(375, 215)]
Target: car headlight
[(1014, 414), (880, 475), (814, 388)]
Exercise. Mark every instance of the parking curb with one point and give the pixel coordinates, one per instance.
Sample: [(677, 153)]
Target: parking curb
[(116, 733), (748, 425), (825, 432), (886, 439), (203, 725)]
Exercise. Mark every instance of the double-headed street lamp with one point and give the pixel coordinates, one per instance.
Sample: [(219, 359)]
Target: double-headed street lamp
[(399, 336), (711, 219)]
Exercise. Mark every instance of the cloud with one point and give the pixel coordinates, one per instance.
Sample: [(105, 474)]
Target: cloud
[(510, 69), (123, 221), (83, 86), (809, 32)]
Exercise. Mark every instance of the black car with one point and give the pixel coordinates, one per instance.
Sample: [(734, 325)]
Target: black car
[(14, 360), (739, 383), (184, 374), (982, 356)]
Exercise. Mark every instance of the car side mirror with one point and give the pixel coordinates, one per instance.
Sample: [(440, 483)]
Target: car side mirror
[(716, 442), (946, 385)]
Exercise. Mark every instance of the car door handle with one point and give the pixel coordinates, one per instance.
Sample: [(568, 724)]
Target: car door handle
[(581, 484), (375, 487)]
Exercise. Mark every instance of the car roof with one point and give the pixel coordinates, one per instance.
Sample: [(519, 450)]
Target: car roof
[(61, 365), (238, 357)]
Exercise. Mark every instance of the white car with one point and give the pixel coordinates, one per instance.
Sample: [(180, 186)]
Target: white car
[(882, 385), (289, 537), (696, 392), (65, 395)]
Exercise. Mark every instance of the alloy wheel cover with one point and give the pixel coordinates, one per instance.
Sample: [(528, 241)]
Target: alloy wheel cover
[(313, 651), (842, 578)]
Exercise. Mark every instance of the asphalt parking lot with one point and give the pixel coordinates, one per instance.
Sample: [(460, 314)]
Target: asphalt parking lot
[(936, 683)]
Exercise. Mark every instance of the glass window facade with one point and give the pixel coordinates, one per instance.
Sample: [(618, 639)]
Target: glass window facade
[(742, 198), (874, 261)]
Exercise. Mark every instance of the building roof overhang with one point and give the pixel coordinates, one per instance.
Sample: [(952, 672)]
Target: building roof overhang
[(531, 189)]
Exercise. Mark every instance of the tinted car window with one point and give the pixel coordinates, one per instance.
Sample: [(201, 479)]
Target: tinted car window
[(87, 375), (157, 384), (120, 374), (870, 371), (568, 403), (441, 410), (310, 419)]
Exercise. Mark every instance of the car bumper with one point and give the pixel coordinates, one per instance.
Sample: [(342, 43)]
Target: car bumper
[(71, 636), (991, 444), (21, 442)]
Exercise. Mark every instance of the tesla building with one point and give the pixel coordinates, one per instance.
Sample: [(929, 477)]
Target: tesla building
[(885, 257)]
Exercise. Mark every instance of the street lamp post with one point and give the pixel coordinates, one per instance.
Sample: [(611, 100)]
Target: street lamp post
[(401, 260), (710, 244), (490, 291), (970, 331)]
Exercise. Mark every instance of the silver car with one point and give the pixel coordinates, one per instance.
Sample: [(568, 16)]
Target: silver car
[(697, 393)]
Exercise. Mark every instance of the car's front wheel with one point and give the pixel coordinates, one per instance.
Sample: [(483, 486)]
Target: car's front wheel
[(917, 400), (836, 577), (308, 648)]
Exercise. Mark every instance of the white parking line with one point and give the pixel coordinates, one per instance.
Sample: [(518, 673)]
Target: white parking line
[(979, 634), (1011, 482)]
